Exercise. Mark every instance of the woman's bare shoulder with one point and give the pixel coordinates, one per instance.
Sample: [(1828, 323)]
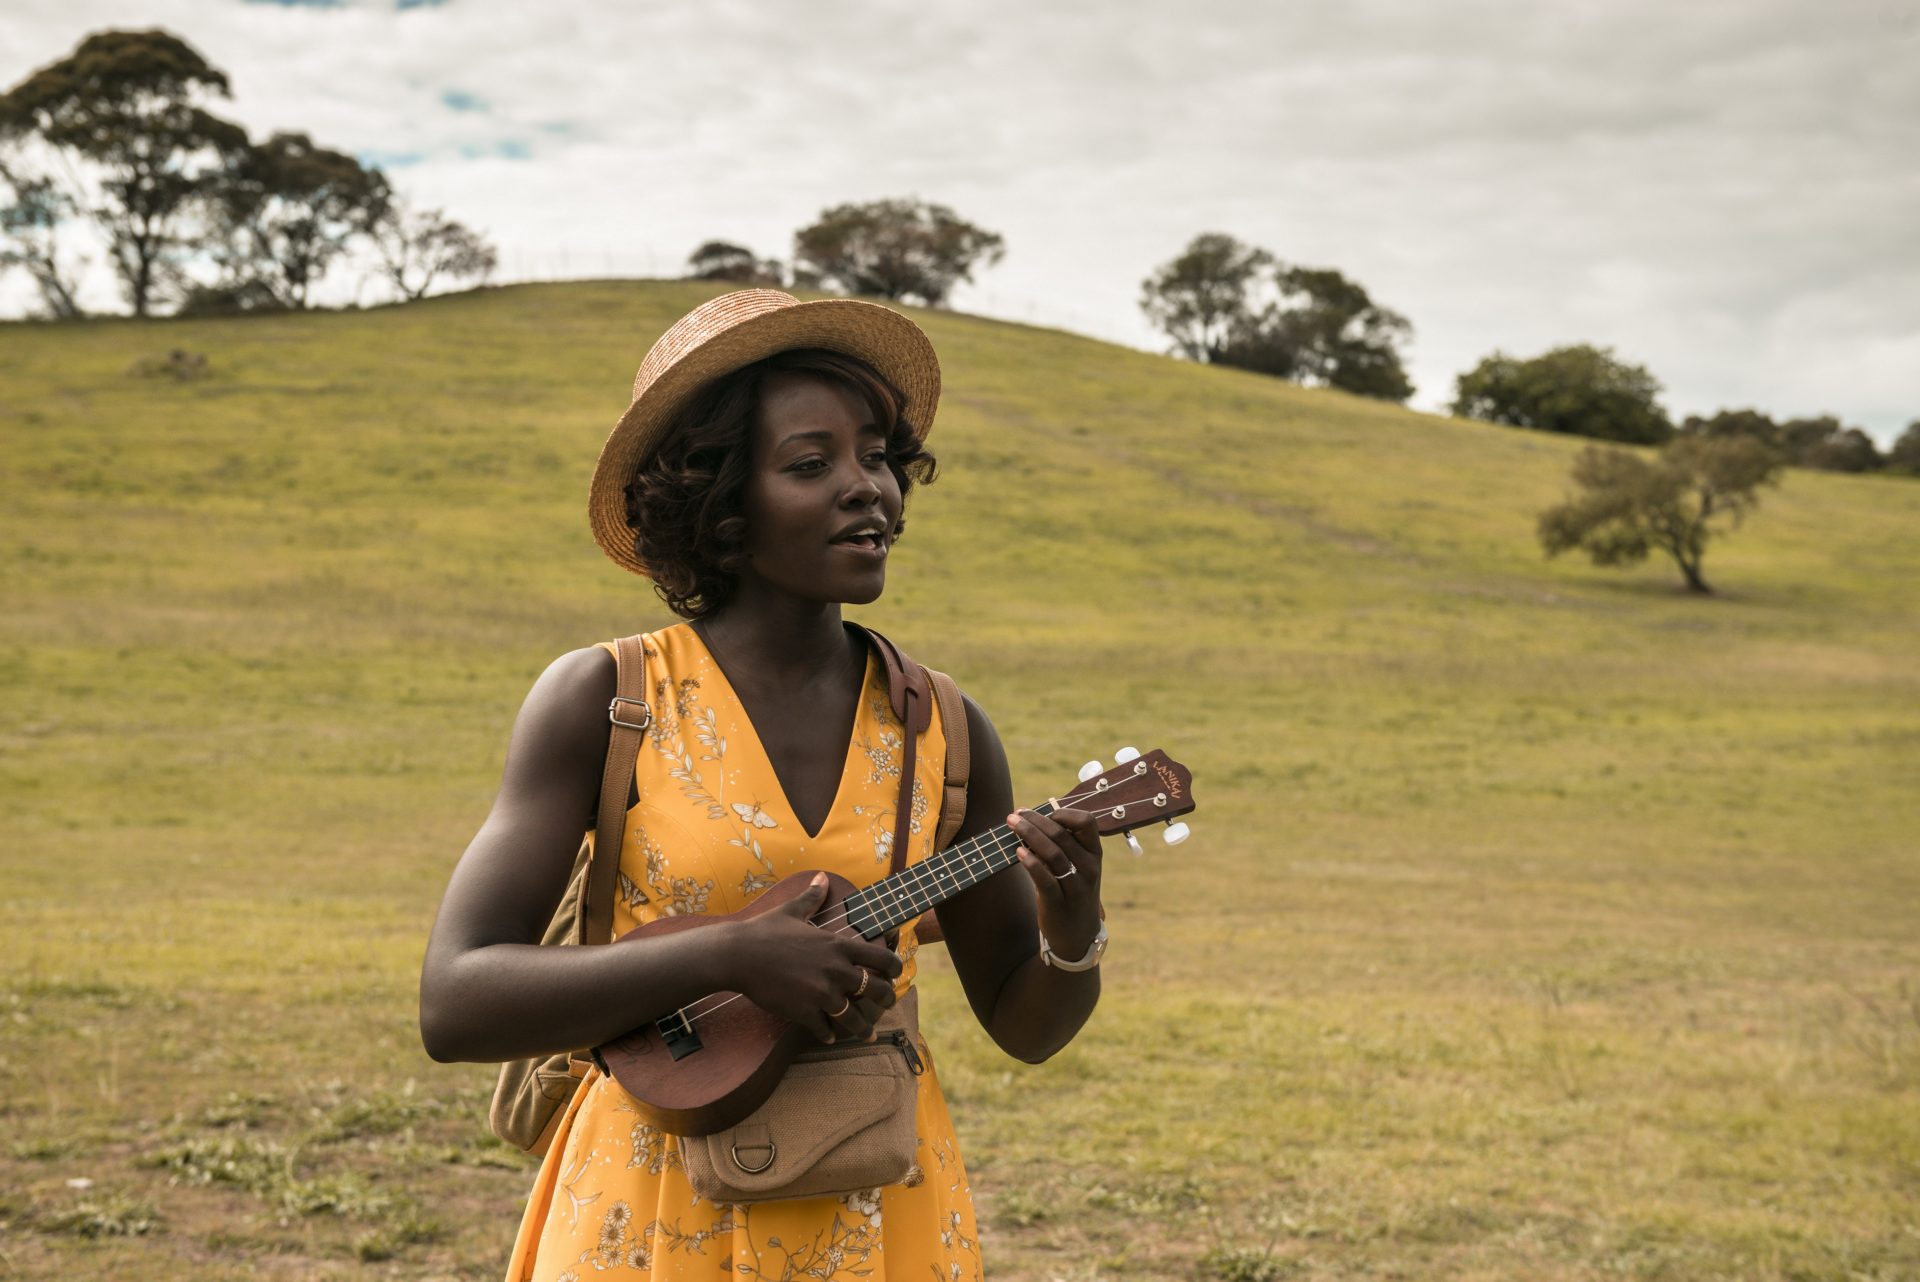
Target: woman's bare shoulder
[(563, 725)]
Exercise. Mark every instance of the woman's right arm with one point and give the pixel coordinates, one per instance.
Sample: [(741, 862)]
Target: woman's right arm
[(490, 992)]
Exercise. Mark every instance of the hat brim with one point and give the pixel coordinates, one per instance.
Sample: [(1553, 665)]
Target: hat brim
[(888, 341)]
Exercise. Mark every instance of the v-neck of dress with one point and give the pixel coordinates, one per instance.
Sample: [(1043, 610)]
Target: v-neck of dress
[(779, 784)]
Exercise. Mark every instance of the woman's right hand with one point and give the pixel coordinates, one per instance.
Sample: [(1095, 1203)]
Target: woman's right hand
[(809, 975)]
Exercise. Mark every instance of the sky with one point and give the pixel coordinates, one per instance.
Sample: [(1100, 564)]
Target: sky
[(1725, 191)]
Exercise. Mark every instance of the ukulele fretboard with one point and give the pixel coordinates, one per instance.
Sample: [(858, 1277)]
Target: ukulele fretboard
[(896, 900)]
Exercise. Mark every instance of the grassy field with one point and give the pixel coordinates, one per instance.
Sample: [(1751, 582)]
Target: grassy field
[(1541, 921)]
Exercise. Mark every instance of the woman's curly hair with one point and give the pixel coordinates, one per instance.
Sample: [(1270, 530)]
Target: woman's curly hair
[(684, 504)]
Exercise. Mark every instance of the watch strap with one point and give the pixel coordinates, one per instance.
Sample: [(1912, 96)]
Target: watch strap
[(1088, 962)]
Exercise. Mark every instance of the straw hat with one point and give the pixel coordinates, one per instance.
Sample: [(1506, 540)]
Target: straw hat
[(732, 331)]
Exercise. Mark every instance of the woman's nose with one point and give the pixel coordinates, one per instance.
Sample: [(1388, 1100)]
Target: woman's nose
[(861, 491)]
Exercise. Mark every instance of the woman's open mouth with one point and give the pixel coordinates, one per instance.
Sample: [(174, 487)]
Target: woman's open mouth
[(869, 543)]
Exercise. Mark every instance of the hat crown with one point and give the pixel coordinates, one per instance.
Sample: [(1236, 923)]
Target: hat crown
[(701, 324)]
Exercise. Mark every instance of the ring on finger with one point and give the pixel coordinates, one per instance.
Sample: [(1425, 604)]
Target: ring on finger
[(1071, 870), (866, 976), (844, 1008)]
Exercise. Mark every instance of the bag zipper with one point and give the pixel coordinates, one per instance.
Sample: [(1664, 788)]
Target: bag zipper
[(902, 1042)]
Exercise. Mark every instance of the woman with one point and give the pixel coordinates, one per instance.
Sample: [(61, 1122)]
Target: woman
[(759, 479)]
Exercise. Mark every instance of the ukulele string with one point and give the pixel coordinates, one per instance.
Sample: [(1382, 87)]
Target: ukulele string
[(920, 876), (928, 871), (840, 925)]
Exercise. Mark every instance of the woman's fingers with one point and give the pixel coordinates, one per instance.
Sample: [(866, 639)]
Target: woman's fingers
[(863, 1012), (883, 963), (1060, 850), (1081, 827)]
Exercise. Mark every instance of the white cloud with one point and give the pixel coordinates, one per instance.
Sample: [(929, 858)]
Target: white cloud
[(1725, 192)]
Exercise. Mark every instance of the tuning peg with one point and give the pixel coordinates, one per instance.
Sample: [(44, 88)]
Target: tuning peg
[(1133, 844), (1089, 770), (1176, 833), (1125, 755)]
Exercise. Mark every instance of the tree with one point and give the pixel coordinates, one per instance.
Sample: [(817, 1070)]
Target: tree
[(1629, 504), (1729, 424), (30, 223), (289, 210), (1904, 456), (722, 260), (126, 108), (1829, 445), (1580, 390), (1203, 295), (1324, 330), (896, 249), (417, 248)]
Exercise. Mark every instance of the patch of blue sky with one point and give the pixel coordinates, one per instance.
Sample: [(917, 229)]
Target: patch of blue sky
[(461, 100), (506, 149), (418, 4), (390, 159)]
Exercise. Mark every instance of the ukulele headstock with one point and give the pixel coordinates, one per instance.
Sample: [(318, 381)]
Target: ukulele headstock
[(1143, 788)]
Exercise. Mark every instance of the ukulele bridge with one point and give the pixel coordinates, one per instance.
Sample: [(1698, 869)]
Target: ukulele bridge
[(676, 1030)]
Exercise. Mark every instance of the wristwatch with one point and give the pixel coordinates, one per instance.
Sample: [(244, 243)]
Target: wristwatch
[(1088, 962)]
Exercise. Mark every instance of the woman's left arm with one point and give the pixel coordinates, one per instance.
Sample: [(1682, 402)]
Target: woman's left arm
[(993, 930)]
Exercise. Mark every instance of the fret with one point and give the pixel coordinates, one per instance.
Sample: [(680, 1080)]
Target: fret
[(897, 899)]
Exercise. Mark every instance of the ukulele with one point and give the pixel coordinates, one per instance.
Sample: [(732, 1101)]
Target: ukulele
[(710, 1064)]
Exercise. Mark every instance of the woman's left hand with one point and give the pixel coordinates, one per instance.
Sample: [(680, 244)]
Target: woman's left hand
[(1061, 852)]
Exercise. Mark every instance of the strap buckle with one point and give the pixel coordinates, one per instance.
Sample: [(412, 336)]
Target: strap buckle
[(646, 713)]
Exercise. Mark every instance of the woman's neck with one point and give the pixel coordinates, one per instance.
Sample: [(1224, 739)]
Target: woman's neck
[(789, 642)]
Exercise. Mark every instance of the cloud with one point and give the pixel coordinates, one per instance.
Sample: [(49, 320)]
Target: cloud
[(1725, 193)]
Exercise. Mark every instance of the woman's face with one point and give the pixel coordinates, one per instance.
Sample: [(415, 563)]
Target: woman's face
[(821, 502)]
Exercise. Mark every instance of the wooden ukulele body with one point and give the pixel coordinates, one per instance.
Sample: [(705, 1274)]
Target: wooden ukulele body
[(742, 1050)]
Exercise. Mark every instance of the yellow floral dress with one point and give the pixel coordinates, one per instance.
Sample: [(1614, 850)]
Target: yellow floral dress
[(710, 830)]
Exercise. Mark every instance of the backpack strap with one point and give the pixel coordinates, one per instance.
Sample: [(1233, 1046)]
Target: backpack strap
[(912, 703), (630, 716), (953, 720), (909, 685)]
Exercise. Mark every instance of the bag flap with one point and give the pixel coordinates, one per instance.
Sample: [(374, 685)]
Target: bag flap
[(819, 1106)]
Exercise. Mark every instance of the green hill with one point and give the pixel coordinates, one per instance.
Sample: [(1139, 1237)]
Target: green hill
[(1541, 921)]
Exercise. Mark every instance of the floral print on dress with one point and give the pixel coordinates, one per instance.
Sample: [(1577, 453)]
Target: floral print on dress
[(653, 1150), (711, 830)]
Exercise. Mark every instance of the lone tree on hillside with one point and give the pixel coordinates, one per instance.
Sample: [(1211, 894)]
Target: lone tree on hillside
[(897, 249), (125, 113), (1579, 390), (418, 247), (723, 260), (1324, 330), (1629, 504), (289, 210), (1200, 297), (1229, 303)]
